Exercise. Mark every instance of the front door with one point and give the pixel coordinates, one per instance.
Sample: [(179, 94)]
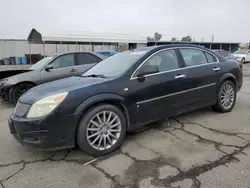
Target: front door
[(159, 95), (63, 66), (202, 76)]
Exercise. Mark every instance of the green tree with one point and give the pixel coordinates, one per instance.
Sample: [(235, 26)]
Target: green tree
[(173, 39), (157, 36), (186, 39), (150, 39)]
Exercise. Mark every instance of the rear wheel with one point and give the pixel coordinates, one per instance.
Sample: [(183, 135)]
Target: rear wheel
[(18, 90), (242, 61), (101, 130), (226, 97)]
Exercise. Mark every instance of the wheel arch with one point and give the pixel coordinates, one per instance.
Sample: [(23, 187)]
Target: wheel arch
[(19, 83), (229, 77), (93, 101)]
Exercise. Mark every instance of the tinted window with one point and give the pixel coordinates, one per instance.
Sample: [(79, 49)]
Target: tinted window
[(63, 61), (193, 57), (210, 58), (84, 58), (164, 61)]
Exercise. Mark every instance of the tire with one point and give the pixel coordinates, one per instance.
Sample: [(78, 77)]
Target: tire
[(83, 135), (18, 90), (242, 61), (220, 106)]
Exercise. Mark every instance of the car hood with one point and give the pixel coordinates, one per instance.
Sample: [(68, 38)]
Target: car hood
[(27, 76), (9, 73), (58, 86)]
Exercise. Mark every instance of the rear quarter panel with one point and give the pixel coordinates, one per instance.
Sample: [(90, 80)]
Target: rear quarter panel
[(232, 70)]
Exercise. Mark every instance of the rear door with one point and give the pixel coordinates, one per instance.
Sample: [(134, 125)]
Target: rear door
[(63, 66), (202, 75), (85, 61)]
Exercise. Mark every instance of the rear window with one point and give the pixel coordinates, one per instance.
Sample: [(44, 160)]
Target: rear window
[(210, 58)]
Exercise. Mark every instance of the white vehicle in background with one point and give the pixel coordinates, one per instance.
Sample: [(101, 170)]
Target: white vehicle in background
[(242, 56)]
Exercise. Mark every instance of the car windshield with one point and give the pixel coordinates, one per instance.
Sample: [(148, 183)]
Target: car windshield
[(115, 65), (240, 52), (40, 64)]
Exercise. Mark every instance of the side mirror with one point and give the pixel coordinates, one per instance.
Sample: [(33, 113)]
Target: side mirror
[(48, 67), (147, 69)]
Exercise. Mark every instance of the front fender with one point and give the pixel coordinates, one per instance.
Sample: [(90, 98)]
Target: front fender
[(93, 100)]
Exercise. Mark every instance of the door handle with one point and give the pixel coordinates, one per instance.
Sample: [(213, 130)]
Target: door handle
[(73, 70), (216, 68), (180, 76)]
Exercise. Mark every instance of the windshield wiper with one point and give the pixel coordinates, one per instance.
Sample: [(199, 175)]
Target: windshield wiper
[(95, 76)]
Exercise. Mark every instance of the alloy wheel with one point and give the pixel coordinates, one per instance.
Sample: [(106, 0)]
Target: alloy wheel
[(227, 96), (103, 130)]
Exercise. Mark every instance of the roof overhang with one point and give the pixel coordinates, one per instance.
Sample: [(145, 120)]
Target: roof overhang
[(36, 36)]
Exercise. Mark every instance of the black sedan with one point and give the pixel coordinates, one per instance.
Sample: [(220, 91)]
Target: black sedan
[(46, 70), (121, 93)]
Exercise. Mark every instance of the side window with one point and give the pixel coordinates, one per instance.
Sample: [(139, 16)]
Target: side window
[(63, 61), (210, 58), (164, 61), (193, 57), (84, 58)]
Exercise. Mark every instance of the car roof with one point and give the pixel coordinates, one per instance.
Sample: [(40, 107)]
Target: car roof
[(170, 46), (93, 53)]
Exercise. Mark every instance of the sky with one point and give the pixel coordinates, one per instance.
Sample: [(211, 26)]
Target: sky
[(227, 20)]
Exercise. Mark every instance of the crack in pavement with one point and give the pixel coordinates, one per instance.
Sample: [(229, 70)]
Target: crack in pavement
[(115, 183), (201, 139), (2, 185), (196, 183), (49, 159), (196, 171), (160, 156), (217, 130)]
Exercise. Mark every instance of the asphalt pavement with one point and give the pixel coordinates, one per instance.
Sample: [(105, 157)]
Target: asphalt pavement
[(198, 149)]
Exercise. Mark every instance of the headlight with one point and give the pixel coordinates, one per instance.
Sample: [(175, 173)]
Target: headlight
[(2, 82), (46, 105)]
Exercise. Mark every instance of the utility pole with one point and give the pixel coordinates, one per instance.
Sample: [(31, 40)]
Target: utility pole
[(212, 38)]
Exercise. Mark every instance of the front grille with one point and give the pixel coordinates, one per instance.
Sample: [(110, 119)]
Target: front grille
[(21, 109)]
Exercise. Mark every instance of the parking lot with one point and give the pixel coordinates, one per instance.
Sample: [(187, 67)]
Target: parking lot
[(199, 149)]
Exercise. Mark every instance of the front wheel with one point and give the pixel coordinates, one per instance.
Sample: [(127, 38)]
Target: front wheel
[(101, 130), (226, 97), (18, 90)]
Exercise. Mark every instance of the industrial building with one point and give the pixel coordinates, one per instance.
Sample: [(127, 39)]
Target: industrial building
[(41, 43), (230, 47)]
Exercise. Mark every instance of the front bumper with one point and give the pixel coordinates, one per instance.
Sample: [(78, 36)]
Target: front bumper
[(49, 133)]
